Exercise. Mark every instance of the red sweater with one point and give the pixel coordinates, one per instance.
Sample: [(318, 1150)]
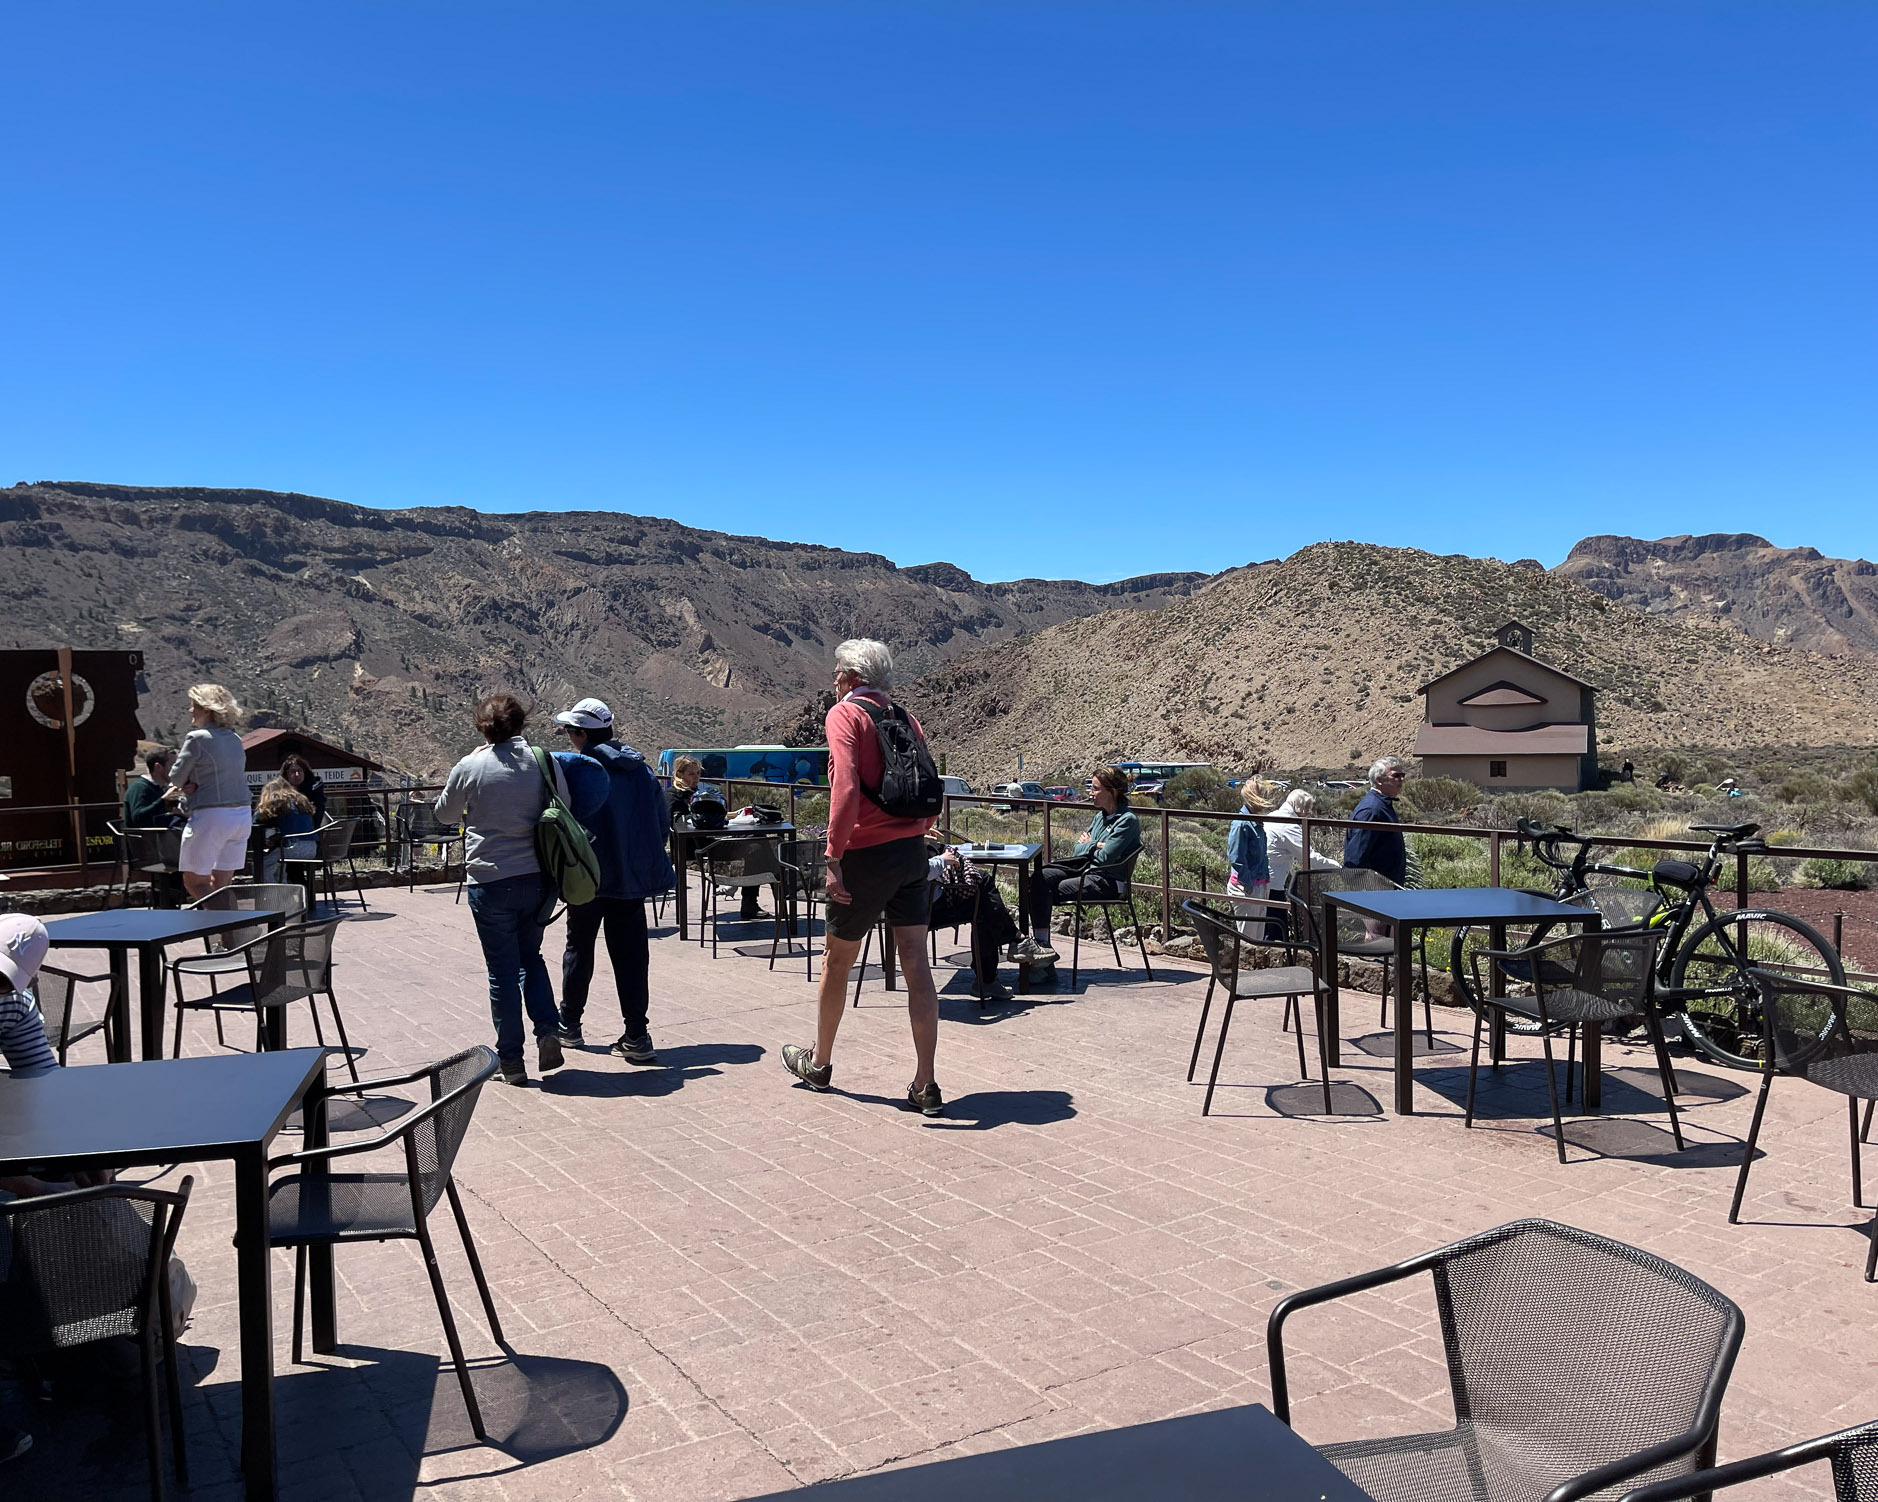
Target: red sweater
[(854, 819)]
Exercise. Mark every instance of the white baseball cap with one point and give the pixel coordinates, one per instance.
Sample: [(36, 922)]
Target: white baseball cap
[(589, 714), (23, 945)]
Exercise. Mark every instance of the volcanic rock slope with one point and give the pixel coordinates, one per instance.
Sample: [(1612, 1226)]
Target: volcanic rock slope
[(382, 626), (1316, 661), (1795, 596)]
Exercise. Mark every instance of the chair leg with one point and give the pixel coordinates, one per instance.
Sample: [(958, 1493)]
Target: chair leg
[(1199, 1033), (1075, 943), (1747, 1152), (1551, 1089), (475, 1262), (449, 1330), (339, 1022), (1858, 1188), (172, 1380), (860, 970), (1473, 1065), (1140, 938), (152, 1420), (1871, 1255), (1108, 917), (1388, 990), (1864, 1132), (1571, 1057), (299, 1297), (1219, 1051), (1428, 994), (1323, 1044), (1654, 1026), (1304, 1072), (358, 886)]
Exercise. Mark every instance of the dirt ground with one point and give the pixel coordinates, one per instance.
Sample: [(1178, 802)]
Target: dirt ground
[(1860, 943)]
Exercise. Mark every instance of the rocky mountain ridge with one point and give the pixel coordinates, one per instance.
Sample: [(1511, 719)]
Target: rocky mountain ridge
[(381, 627), (1797, 597)]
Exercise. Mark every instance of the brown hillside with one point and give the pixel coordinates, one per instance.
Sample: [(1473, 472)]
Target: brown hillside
[(382, 626), (1316, 660), (1794, 596)]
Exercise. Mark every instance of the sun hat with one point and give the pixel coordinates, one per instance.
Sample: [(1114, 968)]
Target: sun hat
[(23, 945), (589, 714)]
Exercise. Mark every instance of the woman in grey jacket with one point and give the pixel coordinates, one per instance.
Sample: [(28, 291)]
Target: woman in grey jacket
[(211, 771)]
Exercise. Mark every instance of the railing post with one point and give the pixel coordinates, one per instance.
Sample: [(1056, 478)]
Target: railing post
[(1046, 834), (1493, 859), (1838, 932), (1304, 839), (1167, 866), (1741, 878)]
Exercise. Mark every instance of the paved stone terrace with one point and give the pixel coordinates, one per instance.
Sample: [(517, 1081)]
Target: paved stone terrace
[(782, 1287)]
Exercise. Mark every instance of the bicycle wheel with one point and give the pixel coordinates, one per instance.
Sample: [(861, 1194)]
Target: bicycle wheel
[(1463, 975), (1728, 1027)]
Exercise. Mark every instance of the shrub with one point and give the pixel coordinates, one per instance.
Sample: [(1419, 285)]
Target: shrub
[(1805, 787), (1841, 874), (1198, 787), (1427, 800), (1862, 788)]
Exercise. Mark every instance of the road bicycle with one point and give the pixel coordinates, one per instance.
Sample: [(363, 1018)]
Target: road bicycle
[(1713, 966)]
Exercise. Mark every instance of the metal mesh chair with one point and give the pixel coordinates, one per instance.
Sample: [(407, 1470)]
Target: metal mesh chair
[(56, 991), (335, 845), (1600, 977), (1852, 1453), (1827, 1034), (281, 967), (805, 871), (1576, 1363), (90, 1265), (423, 827), (739, 864), (156, 855), (1354, 940), (224, 955), (1228, 953), (316, 1207), (1124, 879)]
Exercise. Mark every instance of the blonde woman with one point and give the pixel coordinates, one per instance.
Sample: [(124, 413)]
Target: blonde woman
[(211, 771), (1249, 876)]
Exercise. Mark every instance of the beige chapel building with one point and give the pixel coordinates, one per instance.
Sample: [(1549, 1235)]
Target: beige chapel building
[(1508, 721)]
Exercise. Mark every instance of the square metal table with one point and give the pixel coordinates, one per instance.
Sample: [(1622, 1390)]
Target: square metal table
[(227, 1108), (149, 931), (686, 840), (1242, 1454), (1027, 860), (1441, 907)]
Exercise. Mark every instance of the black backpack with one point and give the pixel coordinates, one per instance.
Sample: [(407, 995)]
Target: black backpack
[(910, 785)]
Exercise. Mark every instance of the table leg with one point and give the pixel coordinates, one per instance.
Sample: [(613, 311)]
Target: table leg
[(1027, 872), (274, 1029), (123, 1050), (1496, 985), (151, 993), (1592, 1038), (1404, 1020), (322, 1307), (681, 905), (255, 1292), (1327, 959)]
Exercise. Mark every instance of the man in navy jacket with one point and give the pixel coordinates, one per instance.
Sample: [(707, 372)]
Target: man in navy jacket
[(615, 795), (1383, 851)]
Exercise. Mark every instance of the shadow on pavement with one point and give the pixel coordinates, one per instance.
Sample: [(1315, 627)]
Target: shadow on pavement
[(676, 1066), (984, 1109)]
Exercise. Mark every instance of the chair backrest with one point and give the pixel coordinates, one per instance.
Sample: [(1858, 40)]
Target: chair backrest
[(144, 848), (808, 860), (1568, 1350), (433, 1137), (1620, 907), (1218, 938), (308, 956), (261, 897), (1853, 1454), (1813, 1022), (56, 991), (85, 1265), (748, 859), (1616, 965), (1307, 890), (336, 839)]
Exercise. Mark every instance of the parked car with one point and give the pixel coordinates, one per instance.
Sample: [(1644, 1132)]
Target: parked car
[(1149, 787), (956, 787), (1060, 795), (1030, 791)]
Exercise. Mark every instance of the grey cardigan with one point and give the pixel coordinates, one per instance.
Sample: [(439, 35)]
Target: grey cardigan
[(213, 760), (499, 793)]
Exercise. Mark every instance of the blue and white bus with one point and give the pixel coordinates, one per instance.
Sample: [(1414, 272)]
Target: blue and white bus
[(805, 766)]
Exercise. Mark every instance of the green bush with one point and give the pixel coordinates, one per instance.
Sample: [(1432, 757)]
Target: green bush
[(1841, 874), (1805, 787), (1428, 800), (1862, 788)]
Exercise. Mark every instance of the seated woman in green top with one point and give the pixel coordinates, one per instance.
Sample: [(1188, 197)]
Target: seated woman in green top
[(1094, 870)]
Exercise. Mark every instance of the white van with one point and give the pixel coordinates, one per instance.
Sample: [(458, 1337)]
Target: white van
[(956, 787)]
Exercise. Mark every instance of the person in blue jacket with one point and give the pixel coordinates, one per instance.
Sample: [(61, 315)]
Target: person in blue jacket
[(1249, 877), (1383, 851), (614, 794)]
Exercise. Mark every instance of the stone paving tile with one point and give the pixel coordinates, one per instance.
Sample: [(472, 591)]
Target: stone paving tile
[(782, 1286)]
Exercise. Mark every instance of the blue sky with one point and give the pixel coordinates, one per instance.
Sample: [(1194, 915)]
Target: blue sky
[(1038, 288)]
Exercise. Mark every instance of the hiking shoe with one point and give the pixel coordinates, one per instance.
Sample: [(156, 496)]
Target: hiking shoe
[(801, 1063), (13, 1444), (548, 1051), (928, 1102), (1030, 952), (571, 1037), (998, 993), (635, 1050), (512, 1071)]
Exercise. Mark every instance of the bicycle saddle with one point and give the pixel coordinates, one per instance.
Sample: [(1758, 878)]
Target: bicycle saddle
[(1726, 831)]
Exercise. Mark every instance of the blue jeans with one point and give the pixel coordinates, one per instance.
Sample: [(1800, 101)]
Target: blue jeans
[(508, 922)]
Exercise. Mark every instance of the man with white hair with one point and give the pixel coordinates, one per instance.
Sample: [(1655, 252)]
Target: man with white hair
[(876, 866), (1383, 851)]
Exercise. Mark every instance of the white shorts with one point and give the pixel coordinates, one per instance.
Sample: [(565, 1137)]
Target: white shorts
[(216, 839)]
